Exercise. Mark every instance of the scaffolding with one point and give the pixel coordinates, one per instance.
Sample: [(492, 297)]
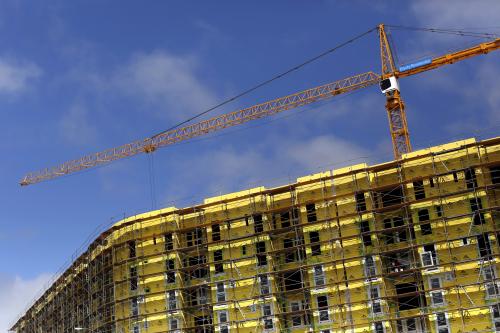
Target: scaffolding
[(406, 246)]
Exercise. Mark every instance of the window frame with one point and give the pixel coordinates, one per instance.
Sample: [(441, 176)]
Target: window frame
[(170, 323), (490, 281), (375, 329), (370, 271), (323, 310), (134, 307), (319, 276), (294, 317), (172, 303), (495, 320), (220, 296), (267, 318), (436, 291), (265, 288), (438, 326)]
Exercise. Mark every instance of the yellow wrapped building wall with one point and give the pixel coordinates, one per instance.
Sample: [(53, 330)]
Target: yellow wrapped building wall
[(405, 246)]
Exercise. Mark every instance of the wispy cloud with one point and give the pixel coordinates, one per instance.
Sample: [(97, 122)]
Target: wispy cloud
[(16, 76), (165, 80), (464, 14), (480, 97), (75, 126), (229, 168), (15, 294), (323, 151)]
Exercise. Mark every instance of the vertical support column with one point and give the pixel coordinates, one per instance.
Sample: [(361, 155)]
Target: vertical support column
[(398, 125)]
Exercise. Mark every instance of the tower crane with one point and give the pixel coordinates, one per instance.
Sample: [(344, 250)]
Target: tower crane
[(388, 80)]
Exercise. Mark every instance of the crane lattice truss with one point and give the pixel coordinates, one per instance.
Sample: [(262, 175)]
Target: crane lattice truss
[(395, 110)]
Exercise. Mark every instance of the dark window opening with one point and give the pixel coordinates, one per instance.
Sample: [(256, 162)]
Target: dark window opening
[(360, 202), (261, 260), (398, 235), (131, 249), (455, 177), (261, 256), (219, 266), (169, 242), (323, 308), (470, 178), (170, 264), (398, 262), (194, 237), (203, 324), (322, 301), (391, 197), (257, 223), (133, 278), (431, 182), (192, 299), (198, 262), (314, 238), (418, 188), (311, 213), (293, 280), (261, 247), (408, 297), (289, 256), (483, 243), (423, 215), (439, 211), (426, 229), (401, 233), (197, 296), (365, 228), (495, 174), (475, 207), (135, 307), (216, 232), (379, 327), (430, 248), (244, 250), (285, 219)]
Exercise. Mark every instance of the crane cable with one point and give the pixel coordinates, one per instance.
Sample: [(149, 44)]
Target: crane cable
[(274, 78), (321, 55), (458, 32)]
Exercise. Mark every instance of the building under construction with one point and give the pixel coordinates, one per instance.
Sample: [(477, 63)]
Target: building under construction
[(410, 245)]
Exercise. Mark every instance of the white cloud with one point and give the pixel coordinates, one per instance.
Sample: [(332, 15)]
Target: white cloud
[(16, 76), (480, 97), (488, 75), (229, 169), (75, 126), (15, 295), (464, 14), (323, 151), (167, 81)]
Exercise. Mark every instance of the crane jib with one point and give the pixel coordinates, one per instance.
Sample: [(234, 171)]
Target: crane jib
[(413, 65)]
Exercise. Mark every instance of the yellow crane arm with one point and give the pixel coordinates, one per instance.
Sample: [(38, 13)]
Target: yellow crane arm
[(206, 126), (449, 58)]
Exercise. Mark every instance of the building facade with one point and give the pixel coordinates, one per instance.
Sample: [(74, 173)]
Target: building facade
[(405, 246)]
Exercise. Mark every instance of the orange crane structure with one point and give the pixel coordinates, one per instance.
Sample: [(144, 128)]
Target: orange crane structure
[(388, 80)]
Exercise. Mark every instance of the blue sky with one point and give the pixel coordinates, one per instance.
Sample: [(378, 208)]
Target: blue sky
[(79, 77)]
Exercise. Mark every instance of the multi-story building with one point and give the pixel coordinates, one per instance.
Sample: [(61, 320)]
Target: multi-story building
[(405, 246)]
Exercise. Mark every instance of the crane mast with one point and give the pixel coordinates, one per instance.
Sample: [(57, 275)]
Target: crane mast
[(388, 80), (398, 125)]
